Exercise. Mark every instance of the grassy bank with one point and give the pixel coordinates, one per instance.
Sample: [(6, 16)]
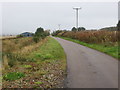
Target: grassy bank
[(44, 66), (110, 50)]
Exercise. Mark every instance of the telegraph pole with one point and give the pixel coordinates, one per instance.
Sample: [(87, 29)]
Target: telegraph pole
[(77, 8)]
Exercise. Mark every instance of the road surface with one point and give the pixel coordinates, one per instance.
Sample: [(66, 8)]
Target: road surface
[(88, 68)]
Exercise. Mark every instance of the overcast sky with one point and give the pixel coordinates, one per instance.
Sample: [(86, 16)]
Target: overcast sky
[(21, 17)]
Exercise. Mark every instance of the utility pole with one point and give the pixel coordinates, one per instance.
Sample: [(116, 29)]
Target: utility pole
[(59, 26), (77, 8)]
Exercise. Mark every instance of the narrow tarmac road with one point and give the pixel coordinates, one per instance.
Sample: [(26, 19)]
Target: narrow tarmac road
[(88, 68)]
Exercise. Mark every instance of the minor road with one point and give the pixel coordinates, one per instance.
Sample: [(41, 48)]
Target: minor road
[(88, 68)]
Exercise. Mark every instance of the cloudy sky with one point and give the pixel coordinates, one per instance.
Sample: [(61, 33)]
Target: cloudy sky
[(21, 17)]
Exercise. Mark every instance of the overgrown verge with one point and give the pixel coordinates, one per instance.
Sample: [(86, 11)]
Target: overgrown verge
[(104, 41), (37, 65)]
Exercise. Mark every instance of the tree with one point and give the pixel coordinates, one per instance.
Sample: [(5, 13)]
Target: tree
[(39, 31), (40, 34), (55, 33), (118, 26), (74, 29), (81, 29)]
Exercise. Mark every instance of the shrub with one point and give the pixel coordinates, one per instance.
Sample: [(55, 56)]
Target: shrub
[(36, 39), (13, 76), (40, 34)]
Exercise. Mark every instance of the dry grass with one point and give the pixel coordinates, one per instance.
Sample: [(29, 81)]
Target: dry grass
[(17, 50), (102, 40), (99, 37), (7, 37)]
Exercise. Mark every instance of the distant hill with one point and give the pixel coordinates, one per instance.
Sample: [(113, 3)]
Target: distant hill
[(109, 28)]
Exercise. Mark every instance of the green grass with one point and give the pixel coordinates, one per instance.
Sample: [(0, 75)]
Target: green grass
[(110, 50), (48, 58), (38, 82), (51, 50), (27, 66), (13, 76)]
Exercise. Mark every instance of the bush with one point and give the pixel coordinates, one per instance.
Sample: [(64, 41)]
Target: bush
[(13, 76), (36, 39), (40, 34)]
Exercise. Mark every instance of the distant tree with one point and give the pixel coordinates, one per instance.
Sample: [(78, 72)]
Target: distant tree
[(39, 31), (40, 34), (55, 33), (118, 25), (81, 29), (74, 29)]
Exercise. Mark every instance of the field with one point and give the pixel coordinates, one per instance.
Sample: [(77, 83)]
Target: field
[(33, 65), (102, 40), (7, 37)]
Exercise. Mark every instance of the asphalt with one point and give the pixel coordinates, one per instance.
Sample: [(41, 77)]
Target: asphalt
[(88, 68)]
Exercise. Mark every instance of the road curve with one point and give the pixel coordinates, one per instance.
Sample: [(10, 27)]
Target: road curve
[(88, 68)]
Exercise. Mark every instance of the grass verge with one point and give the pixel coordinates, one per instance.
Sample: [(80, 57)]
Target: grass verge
[(46, 70), (110, 50)]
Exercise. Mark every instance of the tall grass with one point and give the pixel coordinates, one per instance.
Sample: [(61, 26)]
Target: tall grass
[(102, 40), (98, 37), (17, 50)]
